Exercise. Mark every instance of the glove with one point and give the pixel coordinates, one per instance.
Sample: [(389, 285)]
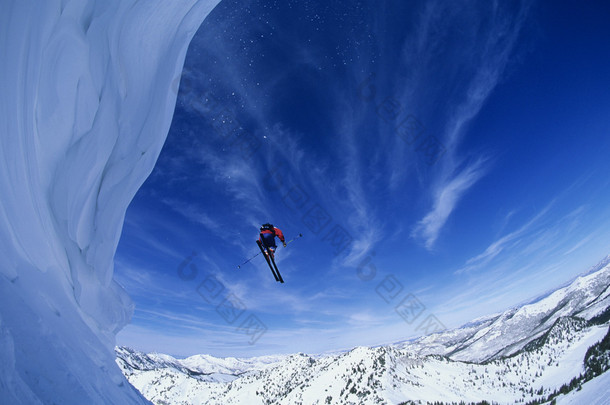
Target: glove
[(284, 244)]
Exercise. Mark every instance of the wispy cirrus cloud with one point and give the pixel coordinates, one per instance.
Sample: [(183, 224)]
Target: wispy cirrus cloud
[(481, 65), (501, 244), (587, 239), (550, 232), (363, 218), (191, 212), (446, 197)]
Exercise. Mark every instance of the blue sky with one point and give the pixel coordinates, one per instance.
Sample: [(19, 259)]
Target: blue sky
[(443, 161)]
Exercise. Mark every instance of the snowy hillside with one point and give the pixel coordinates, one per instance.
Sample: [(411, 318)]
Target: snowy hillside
[(594, 392), (88, 93), (526, 354)]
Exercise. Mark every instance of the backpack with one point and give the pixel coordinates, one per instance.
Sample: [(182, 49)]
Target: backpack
[(268, 227)]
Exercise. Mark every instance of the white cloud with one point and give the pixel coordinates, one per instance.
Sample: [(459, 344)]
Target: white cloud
[(446, 197), (191, 212), (486, 59), (579, 244), (498, 246)]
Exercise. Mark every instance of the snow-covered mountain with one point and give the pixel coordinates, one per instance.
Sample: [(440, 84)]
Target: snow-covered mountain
[(204, 367), (510, 331), (525, 354)]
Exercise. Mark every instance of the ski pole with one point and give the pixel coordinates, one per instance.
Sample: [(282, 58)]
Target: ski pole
[(293, 239), (249, 260)]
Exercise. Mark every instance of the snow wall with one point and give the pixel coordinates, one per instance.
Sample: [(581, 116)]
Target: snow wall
[(87, 93)]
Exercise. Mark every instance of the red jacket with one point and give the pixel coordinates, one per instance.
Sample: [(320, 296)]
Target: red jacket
[(277, 231)]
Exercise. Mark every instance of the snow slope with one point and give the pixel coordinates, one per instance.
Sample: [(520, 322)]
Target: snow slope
[(87, 92), (594, 392)]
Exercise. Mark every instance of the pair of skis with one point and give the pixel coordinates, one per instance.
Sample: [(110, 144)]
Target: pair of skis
[(270, 260)]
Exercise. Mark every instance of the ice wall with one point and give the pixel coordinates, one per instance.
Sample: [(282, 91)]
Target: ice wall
[(87, 92)]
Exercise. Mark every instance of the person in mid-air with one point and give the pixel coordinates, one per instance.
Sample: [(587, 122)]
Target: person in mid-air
[(267, 238)]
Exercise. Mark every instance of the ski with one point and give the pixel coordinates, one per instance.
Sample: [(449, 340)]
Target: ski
[(279, 276), (260, 245)]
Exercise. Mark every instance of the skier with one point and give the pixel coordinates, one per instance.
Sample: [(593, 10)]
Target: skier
[(266, 243), (267, 238)]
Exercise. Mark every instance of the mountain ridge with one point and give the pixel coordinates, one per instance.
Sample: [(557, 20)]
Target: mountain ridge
[(524, 353)]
